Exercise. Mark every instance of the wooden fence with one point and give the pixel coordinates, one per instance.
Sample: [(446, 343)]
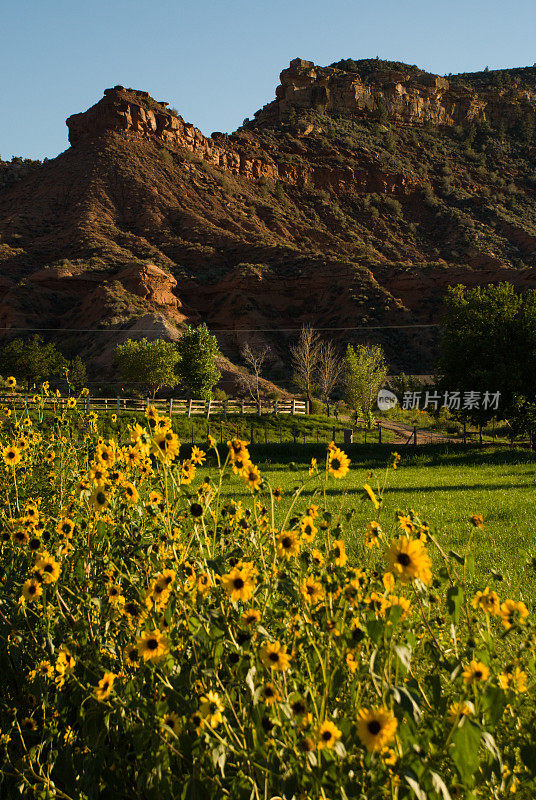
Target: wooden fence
[(174, 405)]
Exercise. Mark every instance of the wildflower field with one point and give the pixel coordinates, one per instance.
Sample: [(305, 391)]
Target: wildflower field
[(178, 623)]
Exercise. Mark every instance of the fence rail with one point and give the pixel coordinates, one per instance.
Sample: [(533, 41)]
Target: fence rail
[(185, 407)]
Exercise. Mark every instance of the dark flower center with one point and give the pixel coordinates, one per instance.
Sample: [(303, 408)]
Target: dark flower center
[(403, 559), (152, 644), (287, 542), (335, 464), (374, 727), (478, 674), (274, 657), (238, 583), (326, 736)]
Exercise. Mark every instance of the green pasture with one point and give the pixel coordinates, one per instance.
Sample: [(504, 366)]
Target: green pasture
[(445, 486)]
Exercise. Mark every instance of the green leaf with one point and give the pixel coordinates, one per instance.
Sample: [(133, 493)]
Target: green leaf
[(493, 703), (404, 656), (454, 602), (375, 630), (464, 750), (470, 564), (528, 757)]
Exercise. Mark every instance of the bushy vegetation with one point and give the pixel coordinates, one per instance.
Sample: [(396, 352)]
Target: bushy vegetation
[(163, 640)]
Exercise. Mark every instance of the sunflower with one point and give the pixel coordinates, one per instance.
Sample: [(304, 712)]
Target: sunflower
[(376, 728), (513, 679), (99, 499), (20, 537), (251, 617), (328, 734), (312, 591), (197, 456), (251, 476), (288, 544), (372, 535), (372, 497), (277, 493), (152, 645), (31, 589), (131, 493), (269, 694), (239, 584), (132, 656), (188, 471), (338, 553), (71, 402), (28, 724), (211, 709), (475, 672), (11, 455), (408, 560), (204, 583), (307, 527), (98, 474), (171, 722), (166, 446), (317, 557), (11, 382), (487, 600), (477, 520), (115, 598), (65, 528), (274, 656), (338, 462), (47, 568), (513, 613), (458, 710), (103, 689)]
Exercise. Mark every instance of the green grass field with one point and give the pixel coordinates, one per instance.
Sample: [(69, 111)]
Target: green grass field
[(445, 487)]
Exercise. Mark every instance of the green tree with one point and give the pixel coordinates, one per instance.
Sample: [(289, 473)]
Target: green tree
[(488, 344), (33, 360), (151, 364), (365, 370), (197, 370)]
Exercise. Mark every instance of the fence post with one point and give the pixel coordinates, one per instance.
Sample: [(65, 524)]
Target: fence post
[(119, 404), (106, 404), (307, 405), (415, 435), (242, 406), (225, 408), (293, 406), (147, 402), (190, 410), (170, 406), (208, 408), (259, 406)]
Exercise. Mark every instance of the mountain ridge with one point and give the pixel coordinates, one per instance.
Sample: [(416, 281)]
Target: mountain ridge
[(355, 221)]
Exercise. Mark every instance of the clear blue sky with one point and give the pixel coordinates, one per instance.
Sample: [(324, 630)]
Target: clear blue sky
[(218, 61)]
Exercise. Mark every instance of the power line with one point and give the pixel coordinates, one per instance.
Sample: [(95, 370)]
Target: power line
[(228, 330)]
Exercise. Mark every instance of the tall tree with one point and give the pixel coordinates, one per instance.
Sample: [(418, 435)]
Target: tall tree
[(488, 344), (197, 370), (330, 366), (32, 360), (149, 364), (254, 359), (365, 372), (305, 354)]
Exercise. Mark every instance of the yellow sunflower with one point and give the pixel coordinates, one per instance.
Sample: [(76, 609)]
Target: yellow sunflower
[(475, 672), (338, 463), (328, 734), (408, 559), (288, 544), (376, 728), (239, 584), (103, 689), (275, 656), (152, 645), (211, 709), (11, 455)]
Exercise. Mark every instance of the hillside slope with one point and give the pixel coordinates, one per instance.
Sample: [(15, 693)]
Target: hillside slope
[(351, 201)]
